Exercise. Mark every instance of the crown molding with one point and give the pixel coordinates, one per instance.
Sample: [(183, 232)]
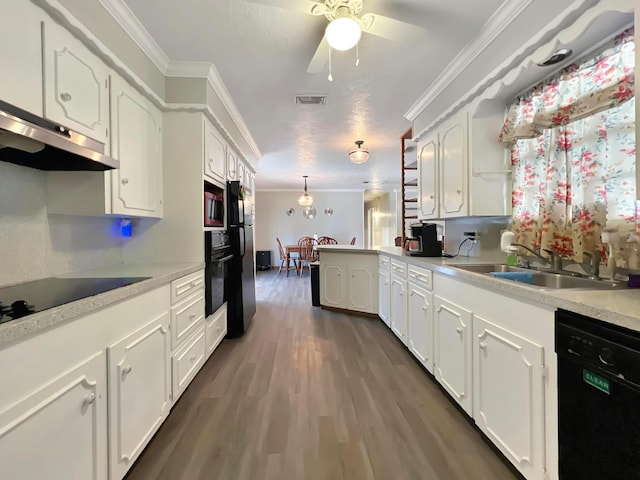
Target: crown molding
[(503, 16), (208, 70), (121, 12)]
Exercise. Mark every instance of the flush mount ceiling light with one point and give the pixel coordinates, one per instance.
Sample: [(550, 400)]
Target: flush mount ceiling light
[(359, 153), (305, 199), (344, 32)]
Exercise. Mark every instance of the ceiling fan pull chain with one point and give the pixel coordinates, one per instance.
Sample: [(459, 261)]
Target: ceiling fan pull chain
[(357, 55), (330, 77)]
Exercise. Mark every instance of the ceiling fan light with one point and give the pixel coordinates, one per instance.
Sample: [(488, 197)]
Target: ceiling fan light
[(359, 153), (343, 33)]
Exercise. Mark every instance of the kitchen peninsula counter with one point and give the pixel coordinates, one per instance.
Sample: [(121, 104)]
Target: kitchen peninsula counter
[(619, 307), (159, 274)]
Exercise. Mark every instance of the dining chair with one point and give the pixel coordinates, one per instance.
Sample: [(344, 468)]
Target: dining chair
[(327, 241), (284, 260), (307, 253), (353, 241)]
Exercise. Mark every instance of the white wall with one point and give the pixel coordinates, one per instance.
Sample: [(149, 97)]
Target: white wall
[(35, 245), (272, 221)]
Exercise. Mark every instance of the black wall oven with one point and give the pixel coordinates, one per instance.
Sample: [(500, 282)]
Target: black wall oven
[(217, 254)]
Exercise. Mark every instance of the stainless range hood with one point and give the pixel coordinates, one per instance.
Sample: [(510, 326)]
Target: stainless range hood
[(35, 142)]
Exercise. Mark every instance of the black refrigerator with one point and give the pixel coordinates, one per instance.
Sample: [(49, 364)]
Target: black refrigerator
[(241, 291)]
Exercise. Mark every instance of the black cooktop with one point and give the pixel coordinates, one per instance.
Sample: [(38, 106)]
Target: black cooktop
[(20, 300)]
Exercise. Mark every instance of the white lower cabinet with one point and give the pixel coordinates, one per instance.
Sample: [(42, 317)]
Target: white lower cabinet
[(215, 329), (398, 307), (60, 430), (509, 395), (452, 362), (139, 391), (186, 362), (349, 281), (383, 295), (420, 324)]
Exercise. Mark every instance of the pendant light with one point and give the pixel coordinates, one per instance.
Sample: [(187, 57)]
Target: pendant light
[(305, 199), (359, 153)]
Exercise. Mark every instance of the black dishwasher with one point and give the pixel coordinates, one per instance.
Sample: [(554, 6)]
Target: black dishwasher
[(598, 399)]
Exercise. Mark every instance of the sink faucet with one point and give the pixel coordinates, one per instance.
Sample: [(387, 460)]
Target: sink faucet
[(536, 254), (592, 267), (556, 259)]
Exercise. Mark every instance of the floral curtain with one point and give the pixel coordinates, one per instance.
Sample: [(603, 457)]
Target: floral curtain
[(573, 154)]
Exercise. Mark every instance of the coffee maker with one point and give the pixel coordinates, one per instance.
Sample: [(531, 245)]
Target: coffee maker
[(424, 241)]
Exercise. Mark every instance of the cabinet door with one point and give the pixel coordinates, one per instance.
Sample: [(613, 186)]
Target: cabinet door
[(362, 289), (215, 153), (59, 431), (332, 285), (241, 172), (137, 143), (420, 322), (508, 388), (398, 308), (23, 87), (428, 177), (215, 328), (139, 391), (452, 342), (453, 169), (232, 165), (383, 296), (76, 84)]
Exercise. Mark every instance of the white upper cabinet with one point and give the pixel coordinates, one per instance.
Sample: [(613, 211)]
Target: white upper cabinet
[(21, 57), (232, 165), (241, 172), (453, 168), (215, 153), (137, 143), (76, 84), (428, 177)]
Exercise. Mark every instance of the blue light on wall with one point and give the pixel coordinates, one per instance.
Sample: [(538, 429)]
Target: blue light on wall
[(125, 228)]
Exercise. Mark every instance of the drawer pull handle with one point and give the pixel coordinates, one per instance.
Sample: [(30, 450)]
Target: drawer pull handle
[(90, 399), (459, 330), (127, 369), (482, 346), (65, 97)]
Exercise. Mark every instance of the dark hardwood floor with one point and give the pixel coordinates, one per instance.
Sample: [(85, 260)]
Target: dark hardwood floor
[(310, 394)]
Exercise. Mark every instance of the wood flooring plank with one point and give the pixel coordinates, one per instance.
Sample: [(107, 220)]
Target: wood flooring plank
[(310, 394)]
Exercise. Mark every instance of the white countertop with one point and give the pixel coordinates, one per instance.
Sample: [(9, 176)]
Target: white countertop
[(619, 307), (160, 274)]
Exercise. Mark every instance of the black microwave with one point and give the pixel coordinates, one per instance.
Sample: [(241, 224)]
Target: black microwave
[(213, 210)]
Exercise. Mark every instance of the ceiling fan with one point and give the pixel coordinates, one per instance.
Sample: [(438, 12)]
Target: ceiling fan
[(346, 23)]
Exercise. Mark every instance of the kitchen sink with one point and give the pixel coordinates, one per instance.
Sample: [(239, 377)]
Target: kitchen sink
[(545, 279)]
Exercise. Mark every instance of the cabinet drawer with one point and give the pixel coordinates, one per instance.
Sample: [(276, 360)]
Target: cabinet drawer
[(421, 276), (185, 286), (185, 316), (215, 328), (186, 362), (399, 269), (383, 263)]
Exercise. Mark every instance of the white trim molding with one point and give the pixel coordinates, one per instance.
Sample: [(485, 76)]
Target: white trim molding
[(503, 16), (121, 12)]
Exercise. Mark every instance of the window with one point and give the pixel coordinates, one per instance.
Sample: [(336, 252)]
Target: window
[(573, 154)]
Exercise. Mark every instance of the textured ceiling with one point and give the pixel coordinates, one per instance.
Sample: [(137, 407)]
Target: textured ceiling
[(262, 52)]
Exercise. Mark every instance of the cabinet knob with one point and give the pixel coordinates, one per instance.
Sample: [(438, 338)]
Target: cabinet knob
[(192, 316), (458, 191), (218, 329), (65, 97), (125, 181), (424, 307), (483, 346), (193, 358), (459, 329), (431, 197), (127, 369), (193, 284), (90, 399)]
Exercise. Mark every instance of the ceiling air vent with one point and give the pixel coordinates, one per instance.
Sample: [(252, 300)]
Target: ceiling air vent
[(311, 99)]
